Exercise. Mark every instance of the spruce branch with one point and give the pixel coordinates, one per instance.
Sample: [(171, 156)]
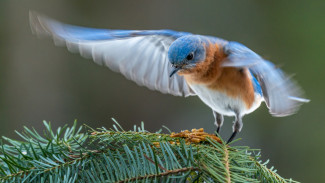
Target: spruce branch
[(71, 154)]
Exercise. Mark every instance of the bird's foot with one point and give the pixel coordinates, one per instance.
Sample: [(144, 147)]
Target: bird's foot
[(218, 130), (232, 136)]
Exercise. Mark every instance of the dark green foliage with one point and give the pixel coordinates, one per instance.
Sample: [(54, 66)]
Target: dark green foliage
[(115, 155)]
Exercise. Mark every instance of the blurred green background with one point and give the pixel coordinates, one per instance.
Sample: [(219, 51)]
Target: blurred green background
[(39, 81)]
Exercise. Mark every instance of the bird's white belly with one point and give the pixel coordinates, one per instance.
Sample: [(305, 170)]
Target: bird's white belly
[(222, 103)]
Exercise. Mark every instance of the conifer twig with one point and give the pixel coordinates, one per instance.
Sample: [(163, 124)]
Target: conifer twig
[(71, 154)]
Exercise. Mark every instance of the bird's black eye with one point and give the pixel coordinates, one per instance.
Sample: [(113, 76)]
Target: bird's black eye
[(190, 56)]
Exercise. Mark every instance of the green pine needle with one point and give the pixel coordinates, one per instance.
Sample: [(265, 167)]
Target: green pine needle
[(71, 154)]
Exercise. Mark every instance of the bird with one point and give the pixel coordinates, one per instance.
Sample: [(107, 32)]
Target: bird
[(227, 76)]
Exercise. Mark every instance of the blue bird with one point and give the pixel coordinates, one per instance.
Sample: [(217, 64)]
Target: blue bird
[(227, 76)]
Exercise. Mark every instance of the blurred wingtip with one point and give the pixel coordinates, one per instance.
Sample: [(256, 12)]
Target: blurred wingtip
[(37, 24), (287, 96), (43, 26), (298, 99), (40, 24), (33, 21), (291, 106)]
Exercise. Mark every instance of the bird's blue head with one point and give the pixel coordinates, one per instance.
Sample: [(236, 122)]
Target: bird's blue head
[(185, 52)]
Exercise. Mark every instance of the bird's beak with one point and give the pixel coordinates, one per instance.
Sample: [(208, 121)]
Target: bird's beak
[(175, 69)]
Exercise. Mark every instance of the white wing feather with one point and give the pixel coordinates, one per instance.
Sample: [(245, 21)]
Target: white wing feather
[(142, 59)]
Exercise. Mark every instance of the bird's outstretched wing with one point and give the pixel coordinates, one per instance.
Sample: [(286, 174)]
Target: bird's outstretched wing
[(281, 94), (140, 56)]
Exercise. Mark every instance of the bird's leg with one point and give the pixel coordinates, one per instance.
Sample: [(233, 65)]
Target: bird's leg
[(238, 125), (218, 120)]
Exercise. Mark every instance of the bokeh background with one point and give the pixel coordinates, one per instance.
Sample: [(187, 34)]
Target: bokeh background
[(39, 81)]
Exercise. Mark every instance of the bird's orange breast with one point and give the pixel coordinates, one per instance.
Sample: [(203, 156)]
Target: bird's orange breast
[(234, 82)]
